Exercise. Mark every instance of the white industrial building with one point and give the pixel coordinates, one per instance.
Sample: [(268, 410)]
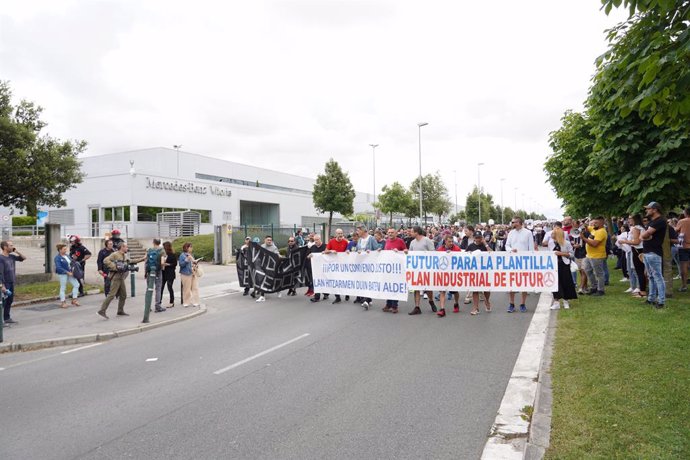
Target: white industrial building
[(138, 190)]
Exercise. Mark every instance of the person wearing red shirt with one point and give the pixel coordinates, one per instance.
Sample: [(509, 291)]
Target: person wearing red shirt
[(337, 244), (393, 243), (449, 246)]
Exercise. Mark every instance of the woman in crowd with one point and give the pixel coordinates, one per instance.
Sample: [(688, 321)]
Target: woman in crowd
[(190, 283), (169, 268), (627, 254), (564, 250), (633, 239), (63, 268)]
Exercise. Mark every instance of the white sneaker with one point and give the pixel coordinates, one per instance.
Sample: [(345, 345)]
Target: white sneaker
[(624, 280), (677, 277), (365, 304), (566, 305), (280, 294), (555, 305), (426, 297), (636, 291), (628, 290), (261, 299)]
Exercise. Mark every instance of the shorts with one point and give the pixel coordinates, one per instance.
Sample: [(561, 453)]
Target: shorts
[(684, 254), (580, 263)]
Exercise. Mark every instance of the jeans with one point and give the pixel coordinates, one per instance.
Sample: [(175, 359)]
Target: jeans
[(607, 276), (632, 274), (7, 304), (657, 287), (675, 256), (594, 268), (64, 279)]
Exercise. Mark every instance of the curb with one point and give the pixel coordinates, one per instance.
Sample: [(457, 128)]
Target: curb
[(509, 434), (26, 303), (89, 338)]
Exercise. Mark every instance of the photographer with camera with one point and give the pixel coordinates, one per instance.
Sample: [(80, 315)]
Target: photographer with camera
[(118, 266)]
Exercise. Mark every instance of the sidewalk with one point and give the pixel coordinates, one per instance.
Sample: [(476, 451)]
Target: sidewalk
[(45, 324)]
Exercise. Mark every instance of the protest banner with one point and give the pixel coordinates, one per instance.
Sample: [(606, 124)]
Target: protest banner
[(269, 272), (378, 275), (481, 271)]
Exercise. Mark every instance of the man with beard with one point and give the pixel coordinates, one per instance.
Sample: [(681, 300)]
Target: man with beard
[(335, 245), (315, 248), (393, 243), (421, 243), (652, 250), (595, 238)]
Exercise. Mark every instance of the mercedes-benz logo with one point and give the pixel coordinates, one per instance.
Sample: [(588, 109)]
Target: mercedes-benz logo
[(443, 263), (549, 279)]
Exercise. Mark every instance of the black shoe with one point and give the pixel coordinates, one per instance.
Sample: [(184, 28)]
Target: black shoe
[(433, 307), (358, 300), (325, 296), (314, 299), (122, 313), (347, 298), (337, 300), (659, 306), (10, 321), (158, 310), (102, 313), (591, 292), (598, 293), (246, 293), (416, 311)]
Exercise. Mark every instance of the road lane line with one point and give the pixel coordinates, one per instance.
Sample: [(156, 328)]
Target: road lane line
[(258, 355), (81, 348)]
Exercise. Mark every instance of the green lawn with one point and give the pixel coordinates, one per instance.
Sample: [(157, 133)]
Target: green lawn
[(42, 290), (621, 378)]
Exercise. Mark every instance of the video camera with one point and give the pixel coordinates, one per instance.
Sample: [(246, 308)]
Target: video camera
[(126, 267)]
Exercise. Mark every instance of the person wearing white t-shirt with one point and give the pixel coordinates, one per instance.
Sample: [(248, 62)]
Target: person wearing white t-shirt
[(519, 240)]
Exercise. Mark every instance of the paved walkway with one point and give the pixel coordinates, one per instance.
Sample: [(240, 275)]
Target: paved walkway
[(45, 324)]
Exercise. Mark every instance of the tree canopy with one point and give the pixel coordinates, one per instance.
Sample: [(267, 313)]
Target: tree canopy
[(395, 199), (333, 192), (435, 198), (38, 169)]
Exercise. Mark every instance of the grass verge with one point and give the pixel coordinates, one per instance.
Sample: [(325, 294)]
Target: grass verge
[(621, 378), (202, 245), (42, 290)]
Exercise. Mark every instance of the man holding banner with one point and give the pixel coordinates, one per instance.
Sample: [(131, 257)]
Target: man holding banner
[(519, 240), (393, 243), (421, 243), (449, 246), (480, 244), (335, 245)]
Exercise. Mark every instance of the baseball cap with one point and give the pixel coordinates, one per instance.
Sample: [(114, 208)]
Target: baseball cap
[(478, 235), (247, 239), (653, 205)]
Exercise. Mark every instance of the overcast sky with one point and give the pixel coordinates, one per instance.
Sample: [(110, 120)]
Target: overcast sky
[(289, 84)]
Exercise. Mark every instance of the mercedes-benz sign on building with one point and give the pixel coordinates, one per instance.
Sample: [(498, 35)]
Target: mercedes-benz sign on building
[(136, 189)]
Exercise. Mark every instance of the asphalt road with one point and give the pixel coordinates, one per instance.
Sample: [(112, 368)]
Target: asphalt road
[(279, 380)]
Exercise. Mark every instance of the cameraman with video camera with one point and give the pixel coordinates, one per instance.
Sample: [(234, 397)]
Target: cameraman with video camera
[(119, 267)]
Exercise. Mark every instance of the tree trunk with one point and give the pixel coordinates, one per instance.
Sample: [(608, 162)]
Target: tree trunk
[(328, 232), (390, 224), (667, 264)]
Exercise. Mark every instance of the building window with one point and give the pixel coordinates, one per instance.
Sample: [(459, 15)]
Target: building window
[(148, 213), (116, 214)]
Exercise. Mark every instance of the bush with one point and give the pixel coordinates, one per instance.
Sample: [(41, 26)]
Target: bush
[(203, 246), (21, 221)]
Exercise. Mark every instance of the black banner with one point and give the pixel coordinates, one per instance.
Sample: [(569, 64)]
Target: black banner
[(268, 272)]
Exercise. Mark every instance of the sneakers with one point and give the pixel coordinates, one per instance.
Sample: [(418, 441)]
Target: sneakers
[(683, 289), (523, 308), (433, 306), (624, 280), (159, 310), (425, 296), (456, 308), (566, 305), (313, 299), (309, 293), (441, 313), (555, 305), (468, 299), (337, 300), (581, 291), (415, 311), (598, 293), (628, 290), (10, 321), (102, 313), (261, 299), (677, 277), (511, 308), (365, 305), (636, 291)]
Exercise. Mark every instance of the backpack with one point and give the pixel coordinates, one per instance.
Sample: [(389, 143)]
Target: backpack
[(153, 260)]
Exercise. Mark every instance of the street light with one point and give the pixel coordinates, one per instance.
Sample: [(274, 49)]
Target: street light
[(373, 151), (479, 191), (515, 208), (455, 175), (502, 207), (178, 147), (421, 208)]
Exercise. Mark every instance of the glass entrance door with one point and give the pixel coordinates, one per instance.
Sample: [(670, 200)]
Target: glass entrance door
[(95, 216)]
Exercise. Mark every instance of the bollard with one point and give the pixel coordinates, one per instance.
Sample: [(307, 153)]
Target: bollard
[(148, 298), (132, 282)]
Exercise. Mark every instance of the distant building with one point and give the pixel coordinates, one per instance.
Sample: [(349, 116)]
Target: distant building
[(132, 190)]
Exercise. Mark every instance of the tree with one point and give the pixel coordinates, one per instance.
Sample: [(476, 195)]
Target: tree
[(333, 192), (394, 199), (38, 169), (472, 206), (434, 195)]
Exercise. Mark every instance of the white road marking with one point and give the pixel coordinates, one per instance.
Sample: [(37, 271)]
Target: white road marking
[(2, 368), (258, 355), (216, 296), (150, 360), (81, 348)]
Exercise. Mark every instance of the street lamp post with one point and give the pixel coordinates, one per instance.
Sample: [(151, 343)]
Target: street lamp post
[(178, 147), (455, 175), (421, 208), (502, 207), (479, 191), (515, 208), (373, 151)]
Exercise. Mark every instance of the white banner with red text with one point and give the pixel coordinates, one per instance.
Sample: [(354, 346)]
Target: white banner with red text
[(390, 275), (481, 271), (378, 275)]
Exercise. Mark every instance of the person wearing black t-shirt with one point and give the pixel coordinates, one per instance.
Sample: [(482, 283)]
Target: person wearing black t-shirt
[(479, 244), (652, 248)]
